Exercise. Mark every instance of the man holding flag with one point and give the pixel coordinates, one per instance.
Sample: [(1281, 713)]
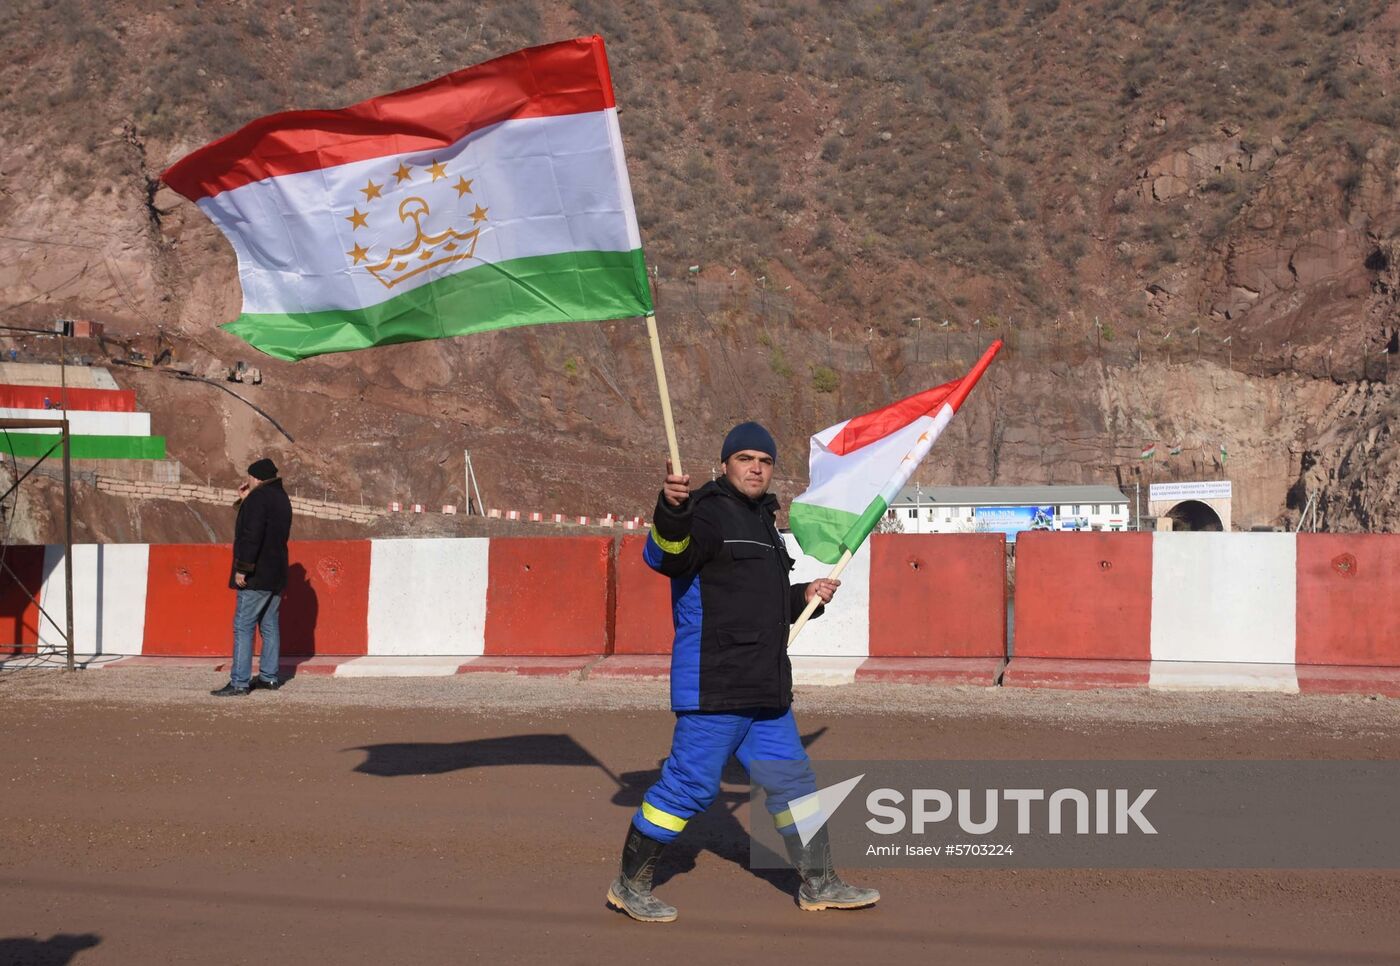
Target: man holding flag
[(731, 680), (735, 613), (497, 196)]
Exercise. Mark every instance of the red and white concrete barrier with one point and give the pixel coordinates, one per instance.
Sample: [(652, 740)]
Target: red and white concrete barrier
[(1199, 610), (1274, 611), (877, 629)]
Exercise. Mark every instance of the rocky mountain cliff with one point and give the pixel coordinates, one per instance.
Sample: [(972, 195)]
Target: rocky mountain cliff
[(1183, 218)]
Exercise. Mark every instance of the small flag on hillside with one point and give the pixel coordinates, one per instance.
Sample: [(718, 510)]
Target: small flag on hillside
[(495, 196), (859, 466), (1148, 452), (1175, 450), (1223, 455)]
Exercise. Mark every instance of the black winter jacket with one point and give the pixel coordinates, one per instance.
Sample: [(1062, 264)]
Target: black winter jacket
[(731, 600), (260, 538)]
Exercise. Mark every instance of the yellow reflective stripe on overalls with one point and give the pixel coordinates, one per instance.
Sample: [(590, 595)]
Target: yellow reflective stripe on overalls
[(672, 547), (805, 807), (654, 815)]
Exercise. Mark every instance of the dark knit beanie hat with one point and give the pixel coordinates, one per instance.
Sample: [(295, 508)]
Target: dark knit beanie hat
[(748, 436), (264, 469)]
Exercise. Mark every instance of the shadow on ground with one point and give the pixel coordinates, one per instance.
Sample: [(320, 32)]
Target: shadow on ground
[(58, 950), (718, 830), (437, 758)]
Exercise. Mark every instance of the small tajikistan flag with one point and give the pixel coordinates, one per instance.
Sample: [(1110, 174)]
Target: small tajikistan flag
[(493, 197), (860, 465), (1148, 452), (1175, 450)]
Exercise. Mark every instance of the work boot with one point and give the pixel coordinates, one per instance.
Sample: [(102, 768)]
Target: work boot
[(229, 691), (631, 890), (822, 887)]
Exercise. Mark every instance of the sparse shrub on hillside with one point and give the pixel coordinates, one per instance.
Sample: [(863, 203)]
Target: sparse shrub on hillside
[(927, 72), (825, 379), (1222, 182), (604, 17), (779, 364)]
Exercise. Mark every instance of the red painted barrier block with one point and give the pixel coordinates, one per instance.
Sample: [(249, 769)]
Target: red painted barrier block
[(938, 595), (1346, 599), (326, 607), (1083, 595), (19, 615), (189, 606), (1077, 675), (643, 624), (1350, 679), (548, 595)]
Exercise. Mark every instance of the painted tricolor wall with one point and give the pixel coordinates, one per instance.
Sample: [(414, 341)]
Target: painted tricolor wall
[(1168, 610), (104, 422)]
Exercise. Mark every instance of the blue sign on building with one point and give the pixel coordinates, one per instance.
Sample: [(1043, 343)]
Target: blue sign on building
[(1012, 520)]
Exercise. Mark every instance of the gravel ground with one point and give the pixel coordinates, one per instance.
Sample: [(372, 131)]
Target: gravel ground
[(438, 820), (486, 694)]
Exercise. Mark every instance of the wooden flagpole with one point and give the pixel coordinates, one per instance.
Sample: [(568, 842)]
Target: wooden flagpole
[(665, 394), (812, 604)]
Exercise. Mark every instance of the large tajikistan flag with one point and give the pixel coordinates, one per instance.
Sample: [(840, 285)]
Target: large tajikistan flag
[(496, 196), (860, 465)]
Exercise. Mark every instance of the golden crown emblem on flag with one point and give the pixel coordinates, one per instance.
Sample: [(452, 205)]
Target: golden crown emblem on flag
[(425, 251)]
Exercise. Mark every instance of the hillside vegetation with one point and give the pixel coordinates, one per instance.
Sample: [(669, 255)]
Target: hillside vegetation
[(1121, 173)]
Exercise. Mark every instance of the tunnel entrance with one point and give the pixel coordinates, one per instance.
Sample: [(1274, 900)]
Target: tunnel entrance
[(1194, 515)]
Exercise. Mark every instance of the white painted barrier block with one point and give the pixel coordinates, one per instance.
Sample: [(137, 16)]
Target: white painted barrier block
[(398, 667), (428, 597), (109, 597), (1224, 597), (843, 630), (1203, 676), (808, 671)]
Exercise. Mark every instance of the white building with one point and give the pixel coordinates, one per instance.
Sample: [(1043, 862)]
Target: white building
[(1008, 509)]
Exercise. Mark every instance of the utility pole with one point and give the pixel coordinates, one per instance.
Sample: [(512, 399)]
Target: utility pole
[(1137, 503), (918, 335), (63, 377)]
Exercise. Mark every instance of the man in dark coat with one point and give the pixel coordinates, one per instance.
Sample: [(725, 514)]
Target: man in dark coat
[(731, 680), (259, 576)]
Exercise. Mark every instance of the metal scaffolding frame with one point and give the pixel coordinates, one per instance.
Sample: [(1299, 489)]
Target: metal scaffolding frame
[(63, 442)]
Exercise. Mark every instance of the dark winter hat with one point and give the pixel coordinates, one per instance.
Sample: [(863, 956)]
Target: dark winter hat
[(748, 436), (264, 469)]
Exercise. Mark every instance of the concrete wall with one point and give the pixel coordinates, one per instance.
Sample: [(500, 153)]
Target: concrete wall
[(1259, 609)]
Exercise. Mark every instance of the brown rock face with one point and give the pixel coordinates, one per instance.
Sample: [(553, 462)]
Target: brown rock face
[(1197, 241)]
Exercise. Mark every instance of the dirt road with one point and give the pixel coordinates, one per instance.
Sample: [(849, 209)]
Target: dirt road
[(479, 819)]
